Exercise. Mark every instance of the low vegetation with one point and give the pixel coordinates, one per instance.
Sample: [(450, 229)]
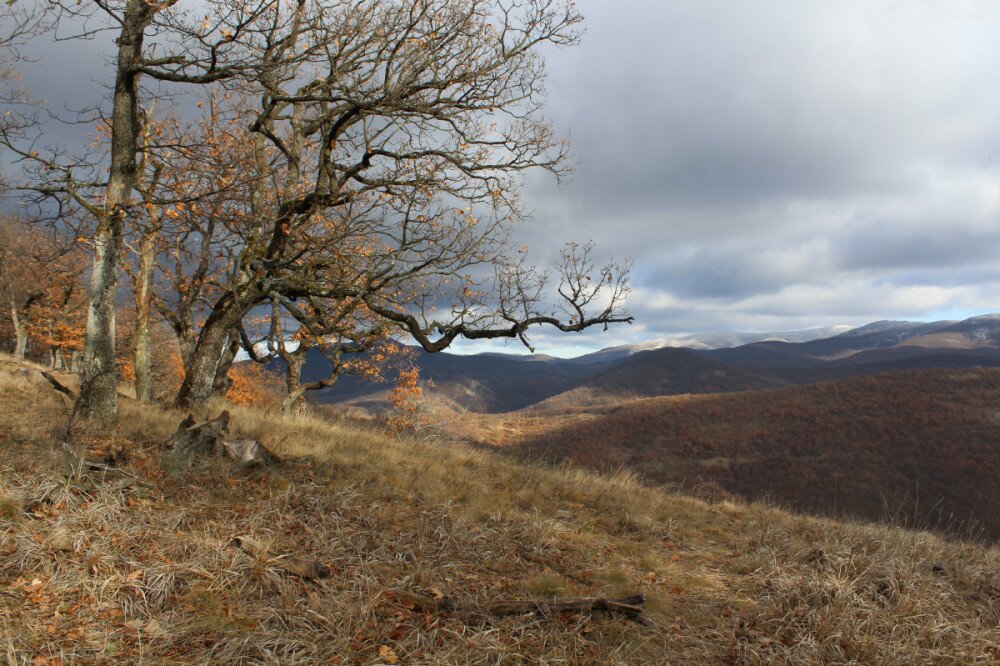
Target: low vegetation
[(137, 565), (916, 447)]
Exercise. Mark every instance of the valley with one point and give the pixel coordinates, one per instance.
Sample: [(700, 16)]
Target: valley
[(868, 424)]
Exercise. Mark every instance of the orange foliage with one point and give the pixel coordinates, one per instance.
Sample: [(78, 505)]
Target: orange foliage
[(380, 357), (407, 400), (252, 385), (405, 396), (57, 319), (51, 330), (126, 369)]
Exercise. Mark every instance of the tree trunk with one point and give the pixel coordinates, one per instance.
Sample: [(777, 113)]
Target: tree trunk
[(143, 294), (294, 403), (187, 341), (182, 325), (222, 381), (59, 362), (98, 387), (200, 374), (20, 333)]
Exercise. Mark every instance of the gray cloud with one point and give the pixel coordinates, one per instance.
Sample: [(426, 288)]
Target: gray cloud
[(768, 165), (784, 164)]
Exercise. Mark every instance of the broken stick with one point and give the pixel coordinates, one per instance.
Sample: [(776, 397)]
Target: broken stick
[(297, 566), (627, 606)]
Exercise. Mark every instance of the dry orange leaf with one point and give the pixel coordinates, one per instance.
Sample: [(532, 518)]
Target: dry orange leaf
[(386, 654)]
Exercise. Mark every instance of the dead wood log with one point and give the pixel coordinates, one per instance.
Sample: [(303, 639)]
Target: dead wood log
[(209, 438), (249, 452), (107, 470), (626, 606), (421, 602), (287, 562)]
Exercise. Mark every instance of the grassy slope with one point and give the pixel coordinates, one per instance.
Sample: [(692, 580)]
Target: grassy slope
[(148, 576)]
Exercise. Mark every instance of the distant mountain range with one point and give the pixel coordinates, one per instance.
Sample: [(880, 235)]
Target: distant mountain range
[(725, 339), (708, 363), (894, 420)]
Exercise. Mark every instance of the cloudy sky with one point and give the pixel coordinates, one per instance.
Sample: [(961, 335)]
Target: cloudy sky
[(784, 164), (770, 165)]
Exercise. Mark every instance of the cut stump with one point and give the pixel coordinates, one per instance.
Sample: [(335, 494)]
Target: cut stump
[(200, 438)]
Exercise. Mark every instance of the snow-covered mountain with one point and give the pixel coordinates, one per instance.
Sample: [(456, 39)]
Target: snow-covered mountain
[(722, 340)]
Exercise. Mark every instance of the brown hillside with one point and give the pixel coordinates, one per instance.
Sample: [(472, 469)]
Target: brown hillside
[(950, 340), (659, 372), (920, 445)]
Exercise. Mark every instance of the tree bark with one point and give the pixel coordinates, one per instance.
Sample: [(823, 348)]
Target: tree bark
[(20, 333), (98, 388), (143, 294), (222, 381), (294, 403), (199, 383)]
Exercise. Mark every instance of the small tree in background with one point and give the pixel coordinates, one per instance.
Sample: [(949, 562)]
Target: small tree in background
[(43, 294), (407, 400)]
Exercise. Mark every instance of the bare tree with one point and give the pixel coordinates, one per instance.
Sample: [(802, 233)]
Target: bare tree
[(399, 133), (184, 50), (389, 140)]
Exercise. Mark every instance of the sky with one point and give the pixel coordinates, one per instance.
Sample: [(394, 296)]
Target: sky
[(769, 165)]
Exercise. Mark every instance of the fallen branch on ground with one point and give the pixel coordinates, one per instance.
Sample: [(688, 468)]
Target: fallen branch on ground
[(297, 566), (249, 452), (627, 606), (104, 468)]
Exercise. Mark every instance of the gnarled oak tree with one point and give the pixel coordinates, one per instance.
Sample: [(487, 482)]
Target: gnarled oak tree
[(384, 144), (395, 134)]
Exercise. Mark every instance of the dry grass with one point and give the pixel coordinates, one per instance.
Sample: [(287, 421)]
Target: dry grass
[(104, 570)]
